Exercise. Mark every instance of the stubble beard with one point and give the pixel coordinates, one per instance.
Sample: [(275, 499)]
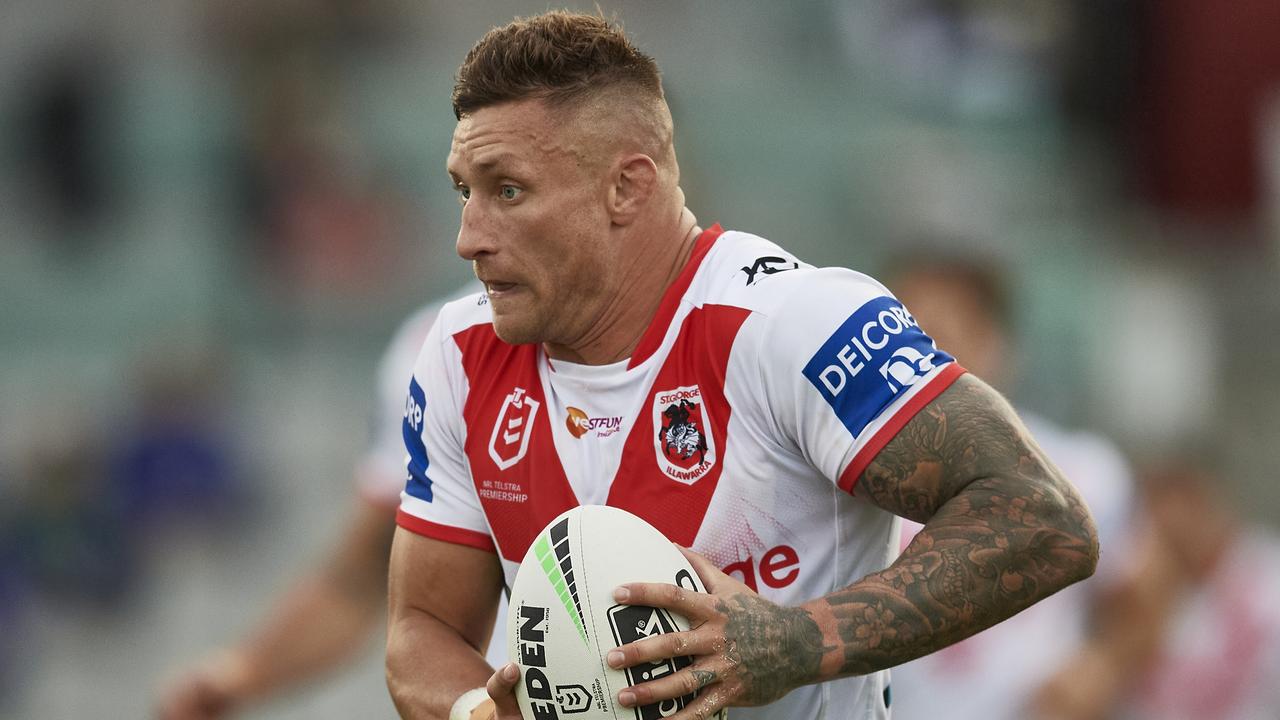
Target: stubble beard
[(522, 326)]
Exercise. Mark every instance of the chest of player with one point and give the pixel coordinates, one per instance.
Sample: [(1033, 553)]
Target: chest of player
[(655, 446)]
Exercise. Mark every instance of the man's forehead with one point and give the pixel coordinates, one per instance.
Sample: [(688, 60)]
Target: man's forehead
[(517, 132)]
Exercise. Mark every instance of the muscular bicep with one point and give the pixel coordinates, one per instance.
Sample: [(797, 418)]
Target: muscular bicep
[(1002, 530), (968, 433), (454, 584)]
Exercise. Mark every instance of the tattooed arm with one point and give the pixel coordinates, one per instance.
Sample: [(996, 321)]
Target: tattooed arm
[(1003, 529)]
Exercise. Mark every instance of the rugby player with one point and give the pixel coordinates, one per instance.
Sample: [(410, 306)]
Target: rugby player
[(775, 418)]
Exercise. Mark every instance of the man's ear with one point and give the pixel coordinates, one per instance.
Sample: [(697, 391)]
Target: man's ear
[(635, 178)]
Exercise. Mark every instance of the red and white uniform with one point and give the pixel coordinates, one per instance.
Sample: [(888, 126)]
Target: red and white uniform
[(754, 400)]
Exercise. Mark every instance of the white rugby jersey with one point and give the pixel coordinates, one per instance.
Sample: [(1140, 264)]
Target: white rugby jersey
[(759, 393)]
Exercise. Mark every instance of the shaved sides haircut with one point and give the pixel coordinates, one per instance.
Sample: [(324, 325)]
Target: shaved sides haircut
[(560, 58)]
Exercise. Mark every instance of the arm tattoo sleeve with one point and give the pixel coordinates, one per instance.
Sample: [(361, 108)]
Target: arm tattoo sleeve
[(1003, 529)]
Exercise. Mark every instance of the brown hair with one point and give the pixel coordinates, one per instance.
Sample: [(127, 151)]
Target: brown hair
[(558, 56)]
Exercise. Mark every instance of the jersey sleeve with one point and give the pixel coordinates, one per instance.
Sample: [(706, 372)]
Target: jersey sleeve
[(845, 366), (439, 499), (381, 474)]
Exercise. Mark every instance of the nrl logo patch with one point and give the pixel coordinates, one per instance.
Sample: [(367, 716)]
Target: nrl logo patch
[(683, 444), (510, 439)]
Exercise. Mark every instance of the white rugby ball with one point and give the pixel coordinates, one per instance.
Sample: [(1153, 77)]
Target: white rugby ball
[(563, 619)]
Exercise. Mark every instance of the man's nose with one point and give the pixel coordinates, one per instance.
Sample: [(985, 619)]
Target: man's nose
[(476, 235)]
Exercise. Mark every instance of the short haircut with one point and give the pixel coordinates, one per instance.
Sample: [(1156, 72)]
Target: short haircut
[(559, 57)]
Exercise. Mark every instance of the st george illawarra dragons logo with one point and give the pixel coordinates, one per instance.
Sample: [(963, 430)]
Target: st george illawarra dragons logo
[(683, 443), (680, 435)]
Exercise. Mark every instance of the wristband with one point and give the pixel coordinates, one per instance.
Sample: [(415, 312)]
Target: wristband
[(469, 701)]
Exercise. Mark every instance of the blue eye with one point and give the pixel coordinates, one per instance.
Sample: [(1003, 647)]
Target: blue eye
[(464, 193), (510, 192)]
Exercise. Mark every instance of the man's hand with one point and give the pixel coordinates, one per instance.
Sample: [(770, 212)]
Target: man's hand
[(746, 649)]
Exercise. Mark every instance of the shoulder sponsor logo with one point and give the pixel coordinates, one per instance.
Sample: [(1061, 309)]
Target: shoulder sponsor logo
[(510, 439), (417, 483), (877, 353), (683, 443), (765, 266), (579, 423)]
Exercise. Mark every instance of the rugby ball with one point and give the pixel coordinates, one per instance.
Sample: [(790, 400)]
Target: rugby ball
[(563, 620)]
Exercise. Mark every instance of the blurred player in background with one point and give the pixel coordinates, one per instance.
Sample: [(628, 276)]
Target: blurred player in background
[(772, 416), (1215, 651), (326, 617), (964, 303)]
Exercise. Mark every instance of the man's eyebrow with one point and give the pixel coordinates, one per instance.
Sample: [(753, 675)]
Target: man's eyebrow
[(487, 162)]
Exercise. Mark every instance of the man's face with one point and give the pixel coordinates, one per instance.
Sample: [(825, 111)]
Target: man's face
[(534, 220)]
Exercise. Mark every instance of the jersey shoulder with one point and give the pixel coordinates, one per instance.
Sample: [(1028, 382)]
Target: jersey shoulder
[(751, 272), (465, 312)]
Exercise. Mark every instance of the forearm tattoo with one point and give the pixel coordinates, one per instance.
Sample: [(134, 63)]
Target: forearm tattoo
[(773, 648), (1004, 529)]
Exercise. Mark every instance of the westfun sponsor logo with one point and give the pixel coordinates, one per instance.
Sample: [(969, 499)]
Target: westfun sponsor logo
[(579, 423)]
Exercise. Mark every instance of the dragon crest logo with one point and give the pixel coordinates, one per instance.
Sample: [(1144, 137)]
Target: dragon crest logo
[(683, 444)]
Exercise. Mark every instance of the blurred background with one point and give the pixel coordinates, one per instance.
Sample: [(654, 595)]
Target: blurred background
[(213, 214)]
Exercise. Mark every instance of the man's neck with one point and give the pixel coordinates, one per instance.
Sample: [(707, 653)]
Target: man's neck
[(652, 268)]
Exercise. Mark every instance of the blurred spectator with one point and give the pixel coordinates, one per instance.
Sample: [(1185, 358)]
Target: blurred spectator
[(322, 218), (69, 530), (62, 137), (963, 302), (174, 459), (12, 585), (986, 60), (345, 594), (1218, 649)]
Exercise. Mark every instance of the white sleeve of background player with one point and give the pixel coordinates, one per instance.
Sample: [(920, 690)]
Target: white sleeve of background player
[(439, 499), (845, 367), (382, 474)]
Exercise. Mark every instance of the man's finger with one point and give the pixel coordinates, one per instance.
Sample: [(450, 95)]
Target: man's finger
[(675, 685), (706, 705), (692, 605), (707, 571), (502, 690), (658, 647)]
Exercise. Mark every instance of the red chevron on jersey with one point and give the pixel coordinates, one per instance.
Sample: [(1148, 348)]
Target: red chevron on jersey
[(516, 471), (656, 481)]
